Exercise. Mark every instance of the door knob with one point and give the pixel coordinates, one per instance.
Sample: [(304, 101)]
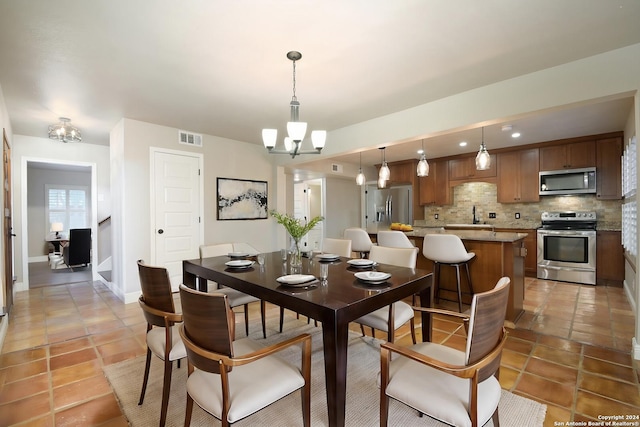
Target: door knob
[(160, 231)]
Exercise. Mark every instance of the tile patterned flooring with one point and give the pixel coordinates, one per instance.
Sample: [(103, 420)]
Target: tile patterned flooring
[(570, 350)]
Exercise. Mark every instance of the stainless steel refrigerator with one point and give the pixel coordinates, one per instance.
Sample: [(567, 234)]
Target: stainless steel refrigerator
[(387, 205)]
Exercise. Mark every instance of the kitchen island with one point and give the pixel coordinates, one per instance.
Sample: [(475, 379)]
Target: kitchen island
[(498, 254)]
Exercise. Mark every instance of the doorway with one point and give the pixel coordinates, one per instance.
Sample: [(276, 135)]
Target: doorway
[(308, 203), (36, 174)]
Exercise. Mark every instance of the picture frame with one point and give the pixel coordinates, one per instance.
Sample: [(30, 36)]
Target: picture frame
[(241, 199)]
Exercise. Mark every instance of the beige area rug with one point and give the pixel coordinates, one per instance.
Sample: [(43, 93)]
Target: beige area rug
[(362, 391)]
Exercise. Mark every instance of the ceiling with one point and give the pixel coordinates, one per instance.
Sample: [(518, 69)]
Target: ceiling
[(220, 68)]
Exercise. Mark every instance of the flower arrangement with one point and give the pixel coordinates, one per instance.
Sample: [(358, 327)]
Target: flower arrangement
[(296, 228)]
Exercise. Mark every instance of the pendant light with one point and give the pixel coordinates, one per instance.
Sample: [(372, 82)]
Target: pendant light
[(423, 165), (360, 178), (483, 159), (384, 172)]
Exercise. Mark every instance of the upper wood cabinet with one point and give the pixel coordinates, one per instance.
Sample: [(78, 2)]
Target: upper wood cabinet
[(609, 169), (434, 189), (465, 169), (402, 173), (568, 156), (518, 176)]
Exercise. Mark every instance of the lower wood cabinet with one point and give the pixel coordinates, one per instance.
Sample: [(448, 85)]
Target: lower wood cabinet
[(609, 258)]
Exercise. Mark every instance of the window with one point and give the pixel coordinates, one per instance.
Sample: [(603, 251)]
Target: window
[(68, 205)]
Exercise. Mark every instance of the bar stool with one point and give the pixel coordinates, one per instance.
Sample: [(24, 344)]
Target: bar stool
[(360, 241), (447, 249)]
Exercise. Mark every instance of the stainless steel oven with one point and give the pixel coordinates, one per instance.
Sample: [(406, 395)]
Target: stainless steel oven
[(567, 247)]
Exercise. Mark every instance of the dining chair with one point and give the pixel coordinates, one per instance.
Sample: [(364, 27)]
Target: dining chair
[(447, 249), (232, 379), (394, 239), (388, 319), (360, 241), (340, 247), (458, 388), (236, 298), (162, 336)]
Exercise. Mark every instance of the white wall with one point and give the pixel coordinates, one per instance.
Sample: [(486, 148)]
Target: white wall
[(130, 143), (342, 206)]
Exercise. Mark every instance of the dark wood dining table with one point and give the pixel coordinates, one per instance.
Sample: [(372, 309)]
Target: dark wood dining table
[(335, 303)]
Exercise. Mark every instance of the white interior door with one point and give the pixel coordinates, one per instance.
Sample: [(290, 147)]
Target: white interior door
[(177, 210)]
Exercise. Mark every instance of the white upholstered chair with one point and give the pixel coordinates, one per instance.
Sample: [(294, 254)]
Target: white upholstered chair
[(390, 318), (394, 239), (340, 247), (458, 388), (360, 241), (162, 336), (236, 298), (232, 379), (447, 249)]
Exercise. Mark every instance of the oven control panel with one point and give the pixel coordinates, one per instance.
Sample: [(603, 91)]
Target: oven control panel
[(568, 216)]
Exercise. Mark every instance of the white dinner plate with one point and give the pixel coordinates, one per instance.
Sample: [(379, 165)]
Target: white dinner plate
[(373, 277), (296, 279), (239, 263), (360, 263), (327, 257)]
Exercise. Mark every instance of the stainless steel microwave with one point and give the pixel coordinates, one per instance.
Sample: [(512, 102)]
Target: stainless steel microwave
[(569, 181)]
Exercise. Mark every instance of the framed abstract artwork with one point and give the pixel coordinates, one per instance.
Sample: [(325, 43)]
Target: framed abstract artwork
[(239, 199)]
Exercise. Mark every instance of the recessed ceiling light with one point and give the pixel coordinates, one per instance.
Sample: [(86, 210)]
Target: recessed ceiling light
[(420, 151), (506, 128), (515, 135), (463, 144)]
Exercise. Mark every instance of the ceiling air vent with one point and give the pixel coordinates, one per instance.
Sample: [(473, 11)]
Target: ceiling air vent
[(189, 138), (336, 168)]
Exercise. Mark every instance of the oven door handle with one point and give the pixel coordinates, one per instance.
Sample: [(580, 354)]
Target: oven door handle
[(568, 233)]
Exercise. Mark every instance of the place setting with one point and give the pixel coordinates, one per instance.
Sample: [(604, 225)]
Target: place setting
[(239, 264), (327, 257), (297, 282), (361, 263), (372, 277)]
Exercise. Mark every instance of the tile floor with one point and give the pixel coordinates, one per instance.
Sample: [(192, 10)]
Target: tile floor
[(570, 350)]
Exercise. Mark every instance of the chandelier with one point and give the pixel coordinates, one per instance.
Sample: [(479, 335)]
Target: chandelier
[(296, 129), (483, 159), (64, 131)]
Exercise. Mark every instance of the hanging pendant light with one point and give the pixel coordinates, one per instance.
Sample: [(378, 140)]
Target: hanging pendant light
[(360, 178), (423, 165), (384, 172), (296, 129), (483, 159)]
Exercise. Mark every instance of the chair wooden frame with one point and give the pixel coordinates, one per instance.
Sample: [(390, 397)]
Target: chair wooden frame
[(484, 358), (222, 364), (161, 318)]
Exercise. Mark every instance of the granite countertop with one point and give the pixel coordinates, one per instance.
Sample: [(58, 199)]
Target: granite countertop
[(482, 235)]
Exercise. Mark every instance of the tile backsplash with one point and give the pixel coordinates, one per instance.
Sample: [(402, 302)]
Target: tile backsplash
[(483, 196)]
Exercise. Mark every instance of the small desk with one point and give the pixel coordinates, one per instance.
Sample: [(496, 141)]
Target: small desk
[(56, 242), (340, 301)]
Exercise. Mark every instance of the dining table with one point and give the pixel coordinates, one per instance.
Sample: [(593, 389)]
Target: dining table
[(335, 302)]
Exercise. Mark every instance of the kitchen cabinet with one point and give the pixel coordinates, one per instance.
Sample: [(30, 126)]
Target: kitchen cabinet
[(464, 169), (609, 258), (402, 172), (531, 247), (568, 156), (609, 169), (518, 176), (434, 189)]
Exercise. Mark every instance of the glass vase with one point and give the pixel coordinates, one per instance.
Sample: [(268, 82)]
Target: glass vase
[(295, 258)]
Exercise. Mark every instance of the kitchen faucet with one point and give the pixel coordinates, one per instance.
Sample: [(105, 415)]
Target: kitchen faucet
[(475, 220)]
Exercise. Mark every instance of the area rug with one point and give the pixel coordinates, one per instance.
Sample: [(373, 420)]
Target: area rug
[(362, 391)]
